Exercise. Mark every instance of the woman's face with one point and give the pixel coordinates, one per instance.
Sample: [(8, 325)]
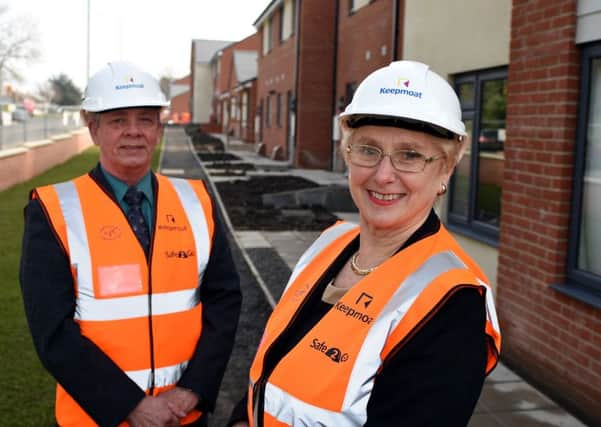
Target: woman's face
[(390, 200)]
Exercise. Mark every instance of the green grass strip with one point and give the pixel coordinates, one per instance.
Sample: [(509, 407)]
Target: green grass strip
[(27, 397)]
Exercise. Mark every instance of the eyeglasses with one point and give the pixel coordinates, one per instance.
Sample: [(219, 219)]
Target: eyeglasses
[(369, 156)]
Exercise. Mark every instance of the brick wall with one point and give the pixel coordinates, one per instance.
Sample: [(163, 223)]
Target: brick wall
[(276, 75), (552, 339), (364, 41), (180, 104), (21, 164), (316, 84)]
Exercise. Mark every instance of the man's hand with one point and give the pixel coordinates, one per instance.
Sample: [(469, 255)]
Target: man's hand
[(180, 400), (153, 412)]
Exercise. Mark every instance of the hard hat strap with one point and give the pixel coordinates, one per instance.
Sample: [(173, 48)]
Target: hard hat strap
[(357, 121)]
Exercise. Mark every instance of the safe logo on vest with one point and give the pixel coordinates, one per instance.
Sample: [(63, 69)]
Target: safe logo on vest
[(332, 353), (180, 254)]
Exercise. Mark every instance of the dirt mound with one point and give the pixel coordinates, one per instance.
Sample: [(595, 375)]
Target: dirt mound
[(244, 205)]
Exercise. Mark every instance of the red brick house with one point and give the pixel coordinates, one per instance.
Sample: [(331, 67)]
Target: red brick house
[(202, 84), (234, 71), (549, 271), (296, 81), (368, 37), (179, 93), (525, 200)]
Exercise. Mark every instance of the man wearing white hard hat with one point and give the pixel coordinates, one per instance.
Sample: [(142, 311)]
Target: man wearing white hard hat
[(130, 290), (387, 322)]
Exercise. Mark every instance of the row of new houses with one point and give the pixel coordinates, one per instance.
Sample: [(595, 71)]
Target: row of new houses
[(526, 199)]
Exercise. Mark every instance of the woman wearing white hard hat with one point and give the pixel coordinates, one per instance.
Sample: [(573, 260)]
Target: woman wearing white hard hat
[(388, 323)]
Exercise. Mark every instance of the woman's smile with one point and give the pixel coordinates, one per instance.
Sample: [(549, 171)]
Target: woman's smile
[(384, 199)]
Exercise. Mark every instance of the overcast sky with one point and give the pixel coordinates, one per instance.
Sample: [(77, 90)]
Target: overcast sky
[(155, 34)]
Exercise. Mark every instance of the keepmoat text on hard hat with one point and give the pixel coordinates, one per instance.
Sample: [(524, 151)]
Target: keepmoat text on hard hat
[(130, 86), (396, 91)]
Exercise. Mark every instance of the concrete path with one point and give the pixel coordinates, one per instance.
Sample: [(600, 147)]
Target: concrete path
[(506, 401)]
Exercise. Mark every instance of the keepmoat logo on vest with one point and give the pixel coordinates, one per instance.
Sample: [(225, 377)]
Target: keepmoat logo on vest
[(332, 353), (363, 300), (172, 224)]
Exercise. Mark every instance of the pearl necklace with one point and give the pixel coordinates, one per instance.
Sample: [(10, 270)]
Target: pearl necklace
[(358, 270)]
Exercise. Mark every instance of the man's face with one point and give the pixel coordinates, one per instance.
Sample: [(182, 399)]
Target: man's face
[(127, 138)]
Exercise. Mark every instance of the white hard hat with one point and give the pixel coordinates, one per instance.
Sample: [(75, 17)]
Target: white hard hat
[(411, 93), (121, 84)]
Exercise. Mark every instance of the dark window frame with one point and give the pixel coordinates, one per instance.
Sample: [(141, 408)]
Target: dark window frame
[(268, 111), (278, 114), (349, 91), (469, 225), (582, 285), (281, 37)]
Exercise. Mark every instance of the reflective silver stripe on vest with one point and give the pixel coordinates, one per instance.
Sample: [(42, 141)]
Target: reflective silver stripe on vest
[(77, 238), (165, 376), (87, 306), (491, 312), (326, 238), (90, 308), (368, 359), (294, 412), (197, 220)]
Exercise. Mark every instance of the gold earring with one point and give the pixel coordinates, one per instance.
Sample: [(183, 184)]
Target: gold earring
[(443, 189)]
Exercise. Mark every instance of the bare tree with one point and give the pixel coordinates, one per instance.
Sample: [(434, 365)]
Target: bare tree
[(45, 91), (18, 44), (165, 84)]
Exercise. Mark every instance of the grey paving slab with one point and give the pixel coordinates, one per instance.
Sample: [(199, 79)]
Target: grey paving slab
[(290, 245), (502, 374), (483, 420), (252, 239), (514, 395), (538, 418)]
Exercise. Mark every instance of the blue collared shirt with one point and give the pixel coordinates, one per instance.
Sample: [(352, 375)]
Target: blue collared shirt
[(144, 185)]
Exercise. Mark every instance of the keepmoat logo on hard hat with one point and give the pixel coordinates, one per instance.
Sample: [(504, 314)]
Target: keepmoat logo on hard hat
[(402, 81), (401, 89), (130, 84)]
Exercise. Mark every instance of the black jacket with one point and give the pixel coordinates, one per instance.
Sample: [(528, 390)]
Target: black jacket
[(87, 373), (434, 379)]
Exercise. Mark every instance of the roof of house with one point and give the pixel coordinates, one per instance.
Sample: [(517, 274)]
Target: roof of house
[(245, 64), (178, 89), (267, 12), (205, 49)]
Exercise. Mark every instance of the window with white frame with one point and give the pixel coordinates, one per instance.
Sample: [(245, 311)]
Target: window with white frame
[(287, 23), (267, 42), (234, 109), (476, 187), (244, 108), (355, 5), (584, 257), (224, 109)]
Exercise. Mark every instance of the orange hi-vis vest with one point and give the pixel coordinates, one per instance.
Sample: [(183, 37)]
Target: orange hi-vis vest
[(328, 376), (146, 315)]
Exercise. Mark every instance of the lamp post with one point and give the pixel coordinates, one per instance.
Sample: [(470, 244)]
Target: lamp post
[(88, 48)]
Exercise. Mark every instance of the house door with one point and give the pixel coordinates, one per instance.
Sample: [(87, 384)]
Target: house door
[(291, 127)]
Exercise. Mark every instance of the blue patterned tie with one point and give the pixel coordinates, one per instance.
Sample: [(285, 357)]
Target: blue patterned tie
[(133, 197)]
